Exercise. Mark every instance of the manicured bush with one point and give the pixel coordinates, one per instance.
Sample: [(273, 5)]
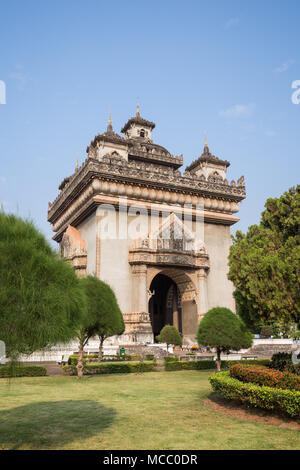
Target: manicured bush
[(112, 368), (189, 365), (276, 399), (261, 362), (262, 375), (150, 357), (223, 330), (22, 371), (280, 360), (73, 359), (171, 358), (173, 363), (169, 335), (283, 361)]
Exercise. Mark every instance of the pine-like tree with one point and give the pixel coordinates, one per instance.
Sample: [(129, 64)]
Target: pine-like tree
[(41, 301)]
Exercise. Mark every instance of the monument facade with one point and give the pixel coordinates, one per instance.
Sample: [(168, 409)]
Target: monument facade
[(158, 237)]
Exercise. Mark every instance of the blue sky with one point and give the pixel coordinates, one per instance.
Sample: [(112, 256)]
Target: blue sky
[(224, 67)]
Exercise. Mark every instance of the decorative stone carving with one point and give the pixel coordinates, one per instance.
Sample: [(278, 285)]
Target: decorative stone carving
[(241, 181), (73, 250), (171, 244)]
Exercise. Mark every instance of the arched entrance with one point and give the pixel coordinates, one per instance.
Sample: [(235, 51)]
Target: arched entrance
[(164, 304), (169, 271), (173, 301)]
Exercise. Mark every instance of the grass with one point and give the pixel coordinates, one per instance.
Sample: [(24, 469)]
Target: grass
[(154, 410)]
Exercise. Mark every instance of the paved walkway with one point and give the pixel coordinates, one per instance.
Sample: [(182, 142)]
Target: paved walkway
[(51, 366)]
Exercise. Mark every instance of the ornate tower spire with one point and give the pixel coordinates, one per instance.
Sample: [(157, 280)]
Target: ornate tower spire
[(137, 110), (206, 149), (109, 127)]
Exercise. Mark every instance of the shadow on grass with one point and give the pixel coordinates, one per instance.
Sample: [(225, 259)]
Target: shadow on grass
[(52, 424)]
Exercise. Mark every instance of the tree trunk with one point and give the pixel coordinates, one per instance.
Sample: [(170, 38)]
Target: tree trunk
[(80, 361), (219, 359), (167, 350), (100, 353)]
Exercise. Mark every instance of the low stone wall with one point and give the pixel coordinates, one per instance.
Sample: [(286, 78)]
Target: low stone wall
[(261, 349)]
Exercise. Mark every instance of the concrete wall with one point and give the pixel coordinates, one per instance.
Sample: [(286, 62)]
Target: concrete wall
[(116, 271), (114, 266), (88, 232), (219, 288)]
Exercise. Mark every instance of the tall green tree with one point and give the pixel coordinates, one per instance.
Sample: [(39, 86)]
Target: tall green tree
[(169, 335), (41, 301), (265, 265), (221, 329), (102, 316)]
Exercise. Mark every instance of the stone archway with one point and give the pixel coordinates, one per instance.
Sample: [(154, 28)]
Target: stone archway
[(173, 251), (164, 304), (173, 300)]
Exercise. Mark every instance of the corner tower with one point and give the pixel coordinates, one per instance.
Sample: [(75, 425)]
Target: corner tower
[(138, 128)]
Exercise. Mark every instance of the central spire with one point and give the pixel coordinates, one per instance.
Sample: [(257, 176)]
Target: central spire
[(137, 110), (109, 127), (206, 149)]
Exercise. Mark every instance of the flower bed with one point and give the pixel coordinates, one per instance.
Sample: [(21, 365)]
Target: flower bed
[(261, 362), (270, 398), (264, 376)]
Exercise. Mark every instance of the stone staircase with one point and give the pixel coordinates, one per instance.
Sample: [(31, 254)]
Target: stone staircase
[(266, 351), (157, 352)]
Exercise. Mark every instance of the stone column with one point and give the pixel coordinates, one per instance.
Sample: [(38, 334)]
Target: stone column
[(140, 327), (139, 288), (202, 293), (175, 310), (98, 245)]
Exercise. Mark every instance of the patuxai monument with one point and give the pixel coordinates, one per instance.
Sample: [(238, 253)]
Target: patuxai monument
[(158, 236)]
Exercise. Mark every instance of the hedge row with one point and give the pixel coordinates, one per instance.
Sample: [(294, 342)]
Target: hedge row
[(112, 368), (190, 365), (172, 363), (22, 371), (265, 376), (261, 362), (276, 399), (73, 359)]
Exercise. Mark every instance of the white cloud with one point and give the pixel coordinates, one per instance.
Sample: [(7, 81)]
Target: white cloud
[(284, 66), (232, 22), (238, 110)]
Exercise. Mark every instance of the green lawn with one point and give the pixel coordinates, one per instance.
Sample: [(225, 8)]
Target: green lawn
[(156, 410)]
